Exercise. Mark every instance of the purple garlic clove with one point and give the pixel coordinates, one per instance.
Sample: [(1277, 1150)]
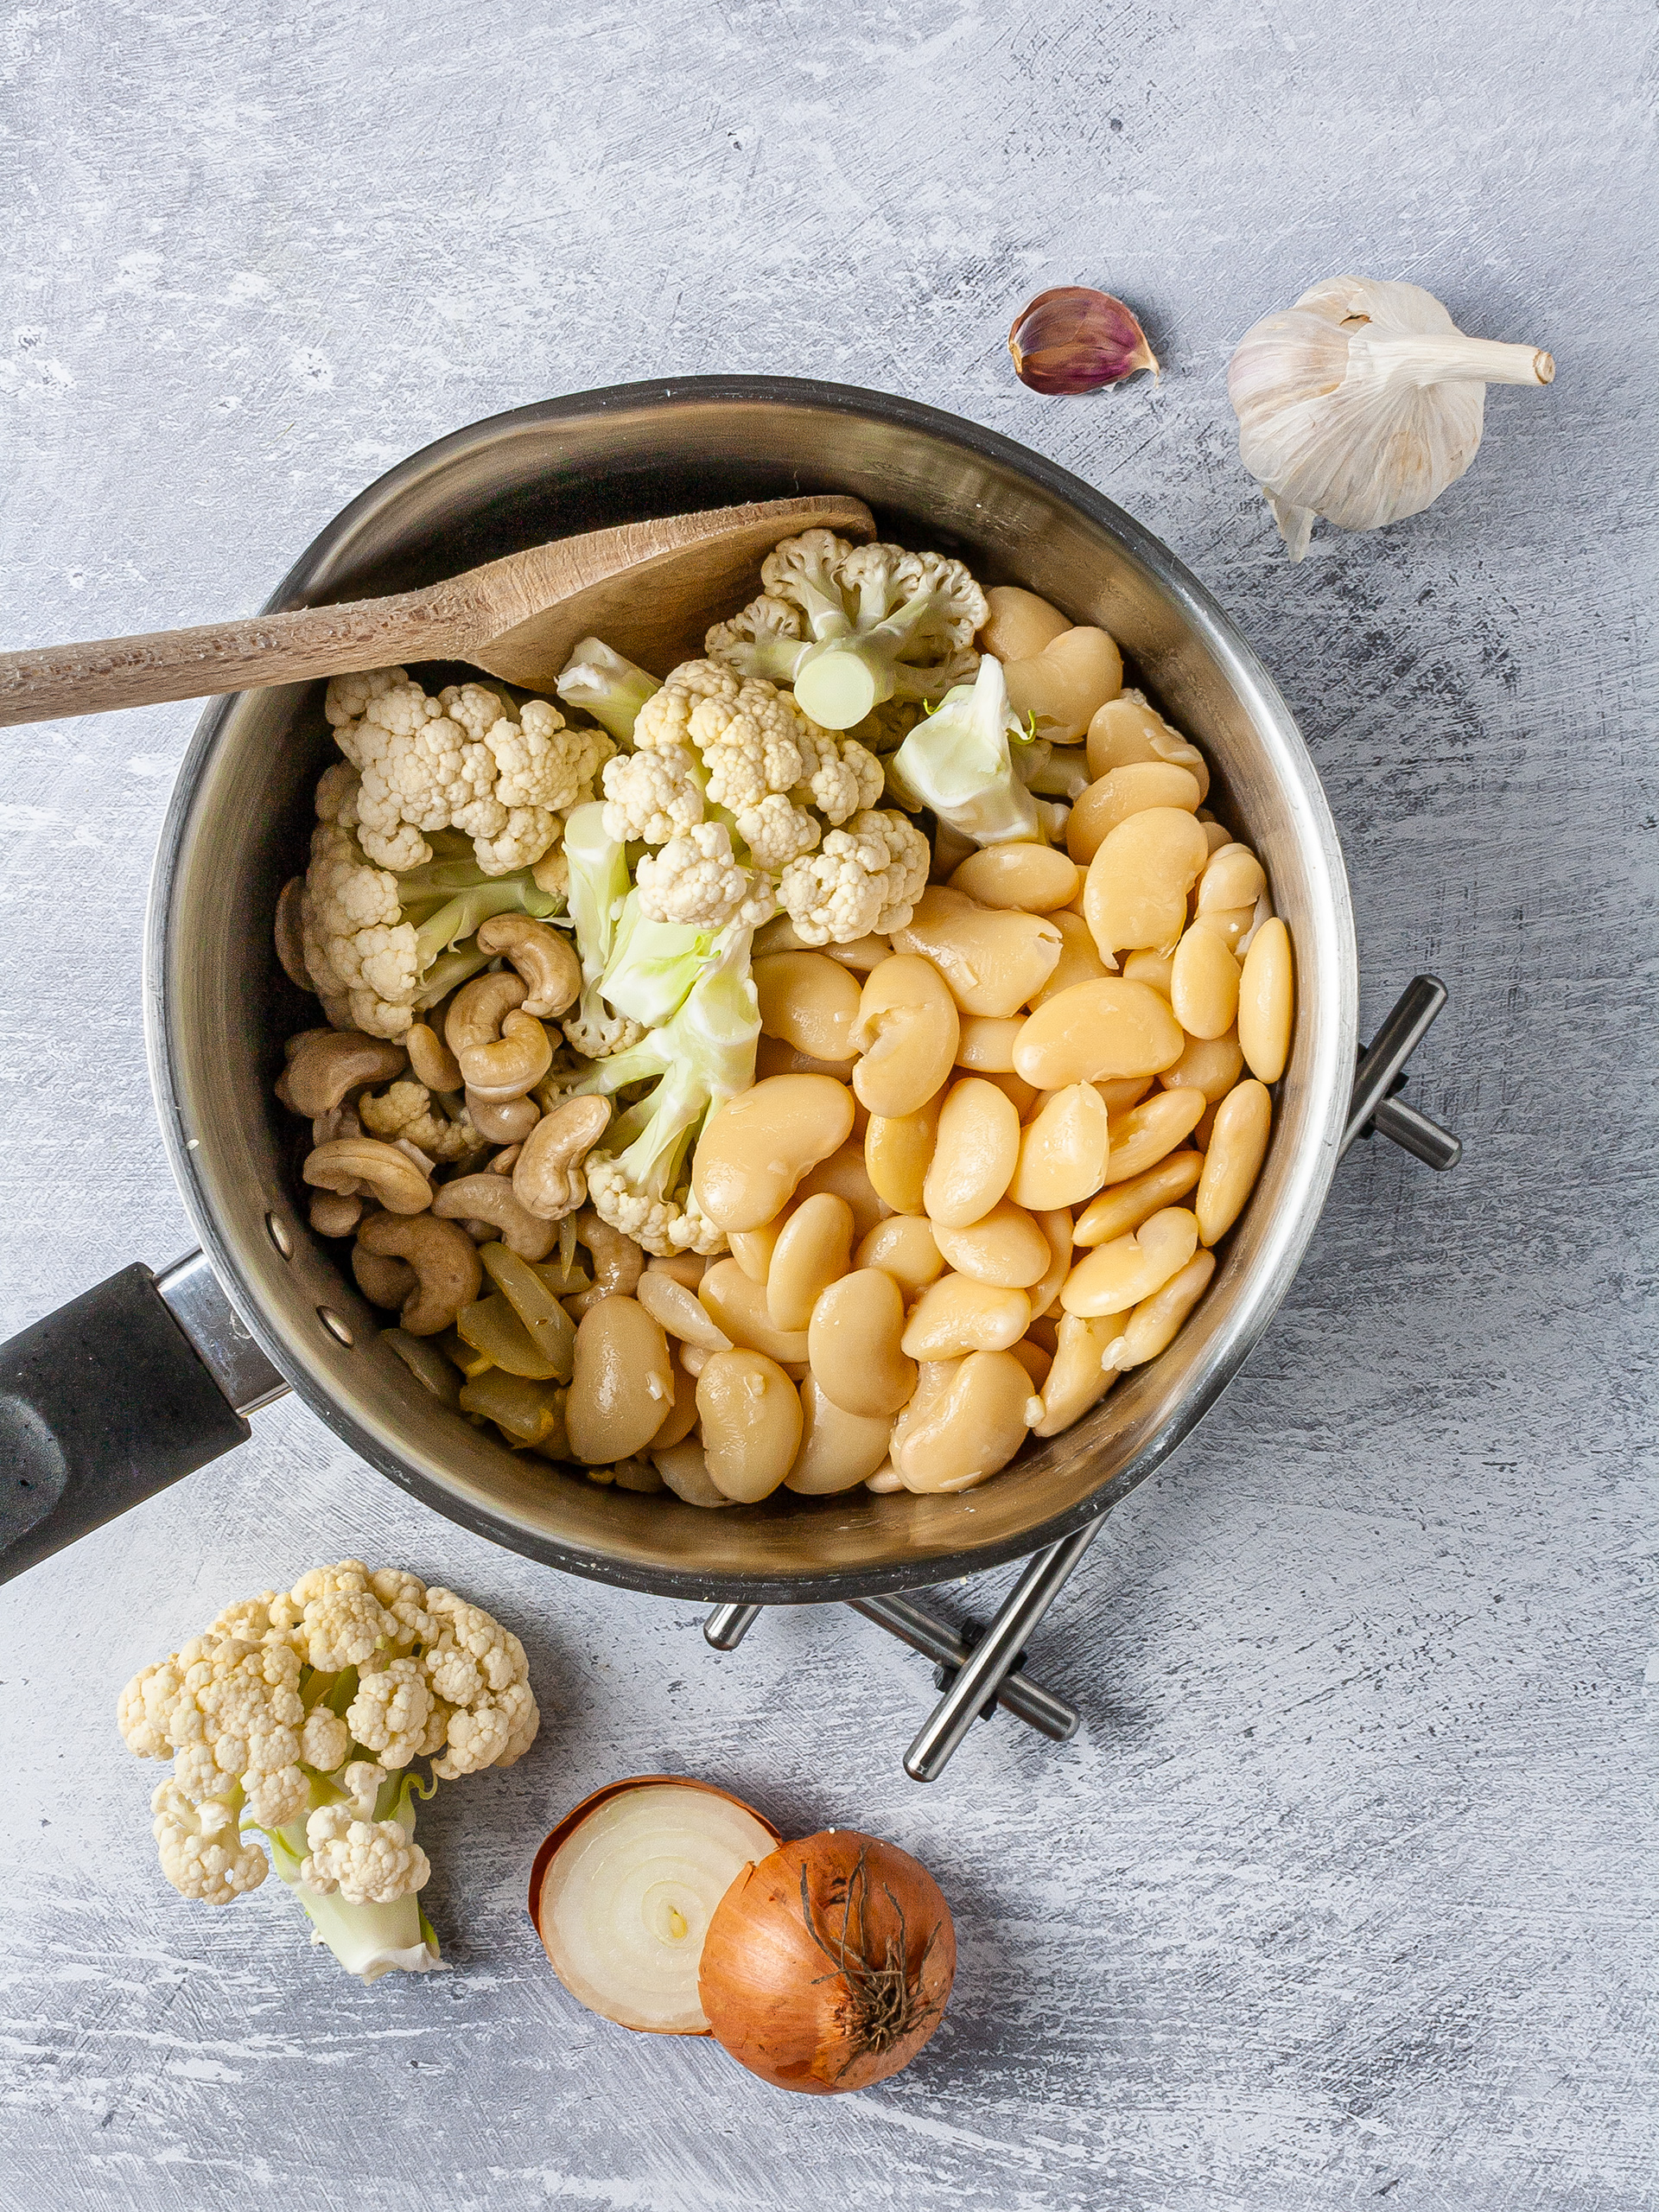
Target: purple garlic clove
[(1074, 339)]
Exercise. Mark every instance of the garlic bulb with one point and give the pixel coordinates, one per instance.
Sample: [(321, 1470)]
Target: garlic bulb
[(1363, 402)]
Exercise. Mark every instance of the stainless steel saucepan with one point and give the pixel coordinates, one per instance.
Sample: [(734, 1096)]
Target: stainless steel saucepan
[(144, 1378)]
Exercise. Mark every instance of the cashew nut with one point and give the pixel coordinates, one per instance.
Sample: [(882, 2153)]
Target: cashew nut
[(490, 1198), (332, 1215), (507, 1068), (382, 1279), (619, 1262), (446, 1264), (350, 1165), (327, 1062), (503, 1120), (432, 1061), (505, 1162), (478, 1009), (542, 956), (290, 936), (547, 1178)]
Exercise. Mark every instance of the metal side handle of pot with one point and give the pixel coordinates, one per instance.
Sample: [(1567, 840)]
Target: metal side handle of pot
[(138, 1382)]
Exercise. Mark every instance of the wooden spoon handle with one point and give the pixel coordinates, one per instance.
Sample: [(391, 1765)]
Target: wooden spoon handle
[(88, 679)]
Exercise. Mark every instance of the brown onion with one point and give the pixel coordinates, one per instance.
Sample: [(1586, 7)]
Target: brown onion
[(827, 1966), (1074, 339), (622, 1891)]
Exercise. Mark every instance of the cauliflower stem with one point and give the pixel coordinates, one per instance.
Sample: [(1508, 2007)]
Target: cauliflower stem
[(962, 762), (372, 1938)]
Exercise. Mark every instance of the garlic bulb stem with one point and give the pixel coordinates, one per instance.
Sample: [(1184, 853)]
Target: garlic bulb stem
[(1428, 360)]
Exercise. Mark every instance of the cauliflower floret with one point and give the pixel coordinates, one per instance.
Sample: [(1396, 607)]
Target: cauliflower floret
[(358, 949), (324, 1740), (652, 796), (844, 778), (867, 878), (494, 1732), (756, 743), (776, 832), (344, 1628), (458, 761), (665, 718), (663, 1226), (405, 1110), (474, 1651), (369, 1862), (596, 1033), (390, 1711), (695, 878), (276, 1797), (361, 1782), (200, 1851)]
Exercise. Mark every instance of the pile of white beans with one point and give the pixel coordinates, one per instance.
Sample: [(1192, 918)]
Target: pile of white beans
[(981, 1175)]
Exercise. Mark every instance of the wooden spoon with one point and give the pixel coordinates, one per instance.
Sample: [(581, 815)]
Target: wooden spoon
[(649, 588)]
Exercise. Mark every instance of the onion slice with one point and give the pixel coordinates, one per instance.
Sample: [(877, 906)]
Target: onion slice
[(623, 1890)]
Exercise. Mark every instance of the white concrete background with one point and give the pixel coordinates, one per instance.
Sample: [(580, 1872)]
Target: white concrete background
[(1345, 1891)]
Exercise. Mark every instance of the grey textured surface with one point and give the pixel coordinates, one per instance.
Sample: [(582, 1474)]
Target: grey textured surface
[(1345, 1890)]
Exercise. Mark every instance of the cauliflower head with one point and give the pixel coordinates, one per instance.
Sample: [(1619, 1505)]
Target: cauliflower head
[(404, 1110), (295, 1713), (460, 761)]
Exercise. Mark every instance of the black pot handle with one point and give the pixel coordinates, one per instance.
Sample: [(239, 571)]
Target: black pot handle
[(114, 1396)]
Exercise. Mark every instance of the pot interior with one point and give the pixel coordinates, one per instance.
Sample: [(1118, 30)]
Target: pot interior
[(220, 1006)]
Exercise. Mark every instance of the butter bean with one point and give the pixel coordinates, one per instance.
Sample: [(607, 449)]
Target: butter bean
[(773, 1057), (753, 1247), (1204, 985), (1126, 1091), (1265, 994), (1135, 893), (1216, 834), (678, 1309), (681, 1417), (1111, 1028), (1232, 877), (991, 961), (896, 1149), (685, 1469), (1007, 1248), (1117, 1276), (1146, 1132), (974, 1154), (1022, 1096), (751, 1420), (1124, 1207), (845, 1176), (838, 1450), (622, 1383), (907, 1032), (739, 1307), (813, 1250), (1077, 1378), (1211, 1065), (1057, 1228), (956, 1315), (1035, 1361), (809, 1001), (904, 1247), (755, 1148), (855, 1346), (1156, 970), (1238, 1145), (1128, 729), (1019, 624), (1113, 798), (1035, 879), (683, 1267), (1062, 1151), (987, 1044), (971, 1429), (885, 1481), (1066, 683), (1153, 1324), (1079, 961), (1232, 925)]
